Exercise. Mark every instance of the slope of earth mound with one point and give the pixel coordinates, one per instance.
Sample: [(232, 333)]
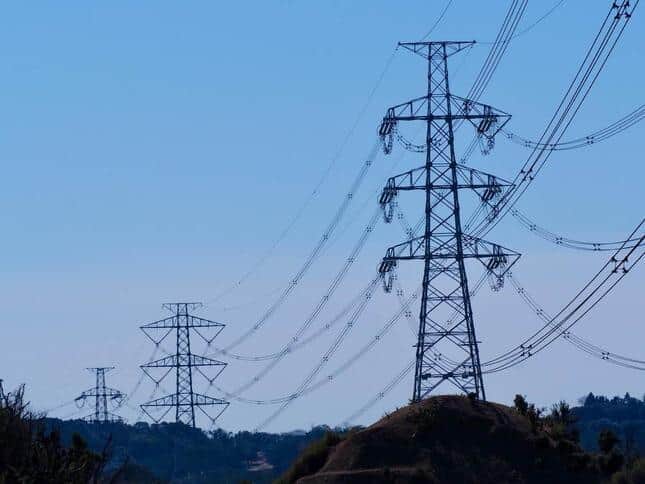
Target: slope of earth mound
[(452, 439)]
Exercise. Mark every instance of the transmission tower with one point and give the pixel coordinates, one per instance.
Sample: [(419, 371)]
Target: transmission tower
[(184, 400), (447, 347), (103, 396)]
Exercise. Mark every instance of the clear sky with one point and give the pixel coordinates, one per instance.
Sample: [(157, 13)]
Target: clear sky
[(153, 151)]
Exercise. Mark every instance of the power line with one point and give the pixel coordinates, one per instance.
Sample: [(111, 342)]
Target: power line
[(532, 24), (439, 19), (592, 65), (566, 241), (314, 193), (322, 242), (617, 127), (603, 282), (575, 340)]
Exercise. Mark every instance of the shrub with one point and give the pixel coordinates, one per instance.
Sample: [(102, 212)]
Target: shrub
[(29, 454), (607, 440), (312, 459), (634, 474)]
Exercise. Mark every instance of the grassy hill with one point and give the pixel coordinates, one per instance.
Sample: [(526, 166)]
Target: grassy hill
[(451, 439)]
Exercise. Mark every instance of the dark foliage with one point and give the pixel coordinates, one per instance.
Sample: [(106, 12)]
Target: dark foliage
[(624, 416), (185, 455), (29, 453), (312, 458)]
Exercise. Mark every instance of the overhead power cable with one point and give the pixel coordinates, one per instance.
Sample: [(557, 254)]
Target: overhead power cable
[(592, 65), (603, 282), (324, 300), (275, 359), (438, 21), (322, 242), (498, 49), (316, 190), (617, 127), (312, 375), (568, 242), (575, 340), (532, 24), (380, 395), (341, 369)]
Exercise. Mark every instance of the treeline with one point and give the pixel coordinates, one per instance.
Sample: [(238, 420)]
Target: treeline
[(623, 416), (181, 454)]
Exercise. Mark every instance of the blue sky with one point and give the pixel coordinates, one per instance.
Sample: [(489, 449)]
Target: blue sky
[(152, 151)]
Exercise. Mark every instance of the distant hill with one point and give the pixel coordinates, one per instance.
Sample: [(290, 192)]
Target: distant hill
[(168, 451), (453, 439)]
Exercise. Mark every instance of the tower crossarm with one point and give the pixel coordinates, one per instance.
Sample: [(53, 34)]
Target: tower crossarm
[(173, 399), (181, 401), (184, 322), (173, 361), (107, 417), (479, 114), (190, 321), (497, 259), (486, 185), (423, 48), (107, 392)]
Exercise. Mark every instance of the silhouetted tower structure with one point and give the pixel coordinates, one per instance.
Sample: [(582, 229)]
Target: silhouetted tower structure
[(447, 347), (184, 364), (103, 396)]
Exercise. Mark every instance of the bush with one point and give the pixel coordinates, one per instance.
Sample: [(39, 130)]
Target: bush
[(29, 454), (607, 440), (312, 459), (634, 474)]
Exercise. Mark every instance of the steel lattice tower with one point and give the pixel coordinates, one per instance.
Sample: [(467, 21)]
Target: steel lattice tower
[(103, 397), (184, 400), (446, 324)]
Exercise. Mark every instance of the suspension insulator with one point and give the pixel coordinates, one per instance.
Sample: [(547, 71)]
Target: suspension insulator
[(386, 266), (495, 282), (498, 259), (387, 142), (387, 125), (493, 190), (388, 281), (386, 132), (487, 120), (388, 212)]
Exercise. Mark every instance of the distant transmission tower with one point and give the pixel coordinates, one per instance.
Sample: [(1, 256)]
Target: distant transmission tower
[(103, 396), (184, 400), (447, 348)]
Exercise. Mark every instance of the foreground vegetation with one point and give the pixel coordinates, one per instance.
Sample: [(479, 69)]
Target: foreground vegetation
[(28, 453), (603, 437)]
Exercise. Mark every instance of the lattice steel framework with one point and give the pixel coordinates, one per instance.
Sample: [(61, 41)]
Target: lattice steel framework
[(184, 400), (446, 320), (103, 397)]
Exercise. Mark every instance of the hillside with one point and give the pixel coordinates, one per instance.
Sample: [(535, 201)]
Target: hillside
[(450, 439)]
